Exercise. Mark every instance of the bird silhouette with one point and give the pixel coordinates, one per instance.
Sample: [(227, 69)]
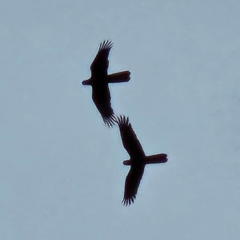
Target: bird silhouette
[(137, 160), (99, 81)]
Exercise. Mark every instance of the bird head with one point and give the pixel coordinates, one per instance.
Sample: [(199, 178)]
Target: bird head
[(127, 162), (87, 82)]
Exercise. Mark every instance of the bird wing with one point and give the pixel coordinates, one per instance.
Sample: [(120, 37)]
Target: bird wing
[(99, 65), (102, 99), (132, 183), (129, 138)]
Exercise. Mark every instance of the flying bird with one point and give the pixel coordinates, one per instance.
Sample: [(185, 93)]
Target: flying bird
[(137, 160), (99, 81)]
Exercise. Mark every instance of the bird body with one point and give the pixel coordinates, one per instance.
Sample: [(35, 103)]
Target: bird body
[(99, 81), (137, 160)]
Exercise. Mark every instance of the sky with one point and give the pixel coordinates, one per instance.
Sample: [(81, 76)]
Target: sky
[(61, 171)]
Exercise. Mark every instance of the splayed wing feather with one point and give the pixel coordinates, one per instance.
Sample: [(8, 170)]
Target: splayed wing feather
[(111, 121)]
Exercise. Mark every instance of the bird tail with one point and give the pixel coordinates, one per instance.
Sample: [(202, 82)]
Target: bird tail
[(119, 77), (158, 158)]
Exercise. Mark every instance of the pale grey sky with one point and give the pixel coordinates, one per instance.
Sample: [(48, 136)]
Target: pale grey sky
[(61, 172)]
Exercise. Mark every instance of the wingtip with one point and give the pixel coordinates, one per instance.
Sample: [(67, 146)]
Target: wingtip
[(128, 201), (106, 44), (121, 119), (110, 121)]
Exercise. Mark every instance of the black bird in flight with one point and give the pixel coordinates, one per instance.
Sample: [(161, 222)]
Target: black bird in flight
[(99, 81), (137, 160)]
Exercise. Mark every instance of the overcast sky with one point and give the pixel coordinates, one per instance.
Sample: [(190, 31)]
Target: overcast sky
[(61, 172)]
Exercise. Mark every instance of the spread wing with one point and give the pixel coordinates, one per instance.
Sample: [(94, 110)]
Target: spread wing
[(129, 139), (99, 65), (132, 183), (134, 148)]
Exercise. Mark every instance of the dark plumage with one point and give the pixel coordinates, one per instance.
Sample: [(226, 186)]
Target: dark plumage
[(137, 160), (99, 81)]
